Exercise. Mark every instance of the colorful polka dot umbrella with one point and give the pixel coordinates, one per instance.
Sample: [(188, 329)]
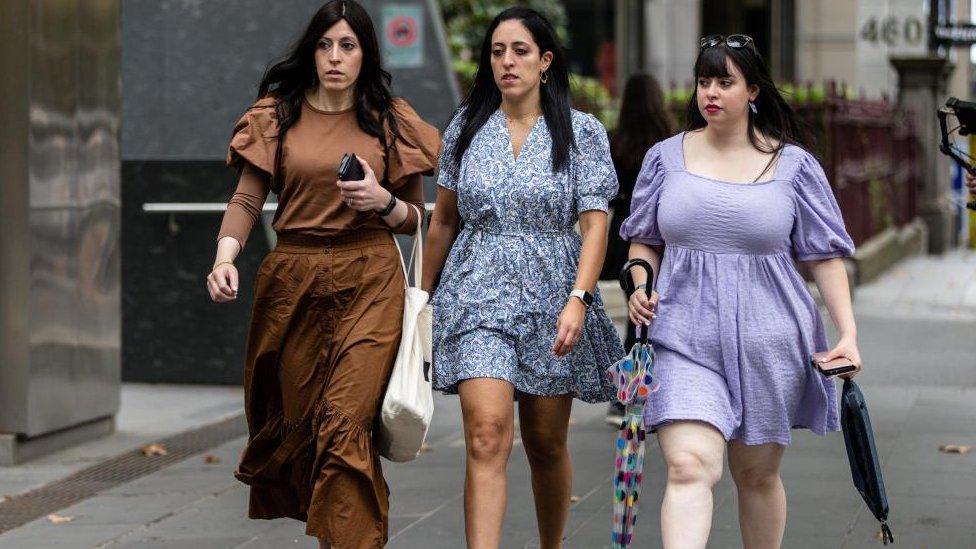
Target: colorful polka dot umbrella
[(633, 376)]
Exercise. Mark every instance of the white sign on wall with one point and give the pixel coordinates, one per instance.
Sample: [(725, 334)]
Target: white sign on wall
[(886, 28)]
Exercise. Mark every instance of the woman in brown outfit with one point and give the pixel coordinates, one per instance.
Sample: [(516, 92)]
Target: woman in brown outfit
[(328, 300)]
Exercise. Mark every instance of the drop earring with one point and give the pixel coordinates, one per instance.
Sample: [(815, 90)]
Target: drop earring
[(543, 77), (752, 107)]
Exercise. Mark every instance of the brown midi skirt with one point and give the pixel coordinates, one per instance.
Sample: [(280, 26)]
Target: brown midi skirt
[(324, 334)]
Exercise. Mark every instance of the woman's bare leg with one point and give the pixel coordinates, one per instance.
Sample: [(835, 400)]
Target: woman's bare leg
[(489, 426), (762, 499), (693, 452), (544, 424)]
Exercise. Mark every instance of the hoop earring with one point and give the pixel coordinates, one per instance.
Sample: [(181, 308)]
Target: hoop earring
[(752, 107), (543, 77)]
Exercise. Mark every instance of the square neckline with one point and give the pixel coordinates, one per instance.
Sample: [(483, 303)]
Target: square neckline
[(777, 169)]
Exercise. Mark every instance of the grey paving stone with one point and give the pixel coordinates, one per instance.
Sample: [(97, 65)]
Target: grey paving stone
[(42, 535), (223, 542)]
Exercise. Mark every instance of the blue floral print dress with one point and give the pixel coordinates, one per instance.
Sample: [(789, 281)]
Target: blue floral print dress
[(513, 265)]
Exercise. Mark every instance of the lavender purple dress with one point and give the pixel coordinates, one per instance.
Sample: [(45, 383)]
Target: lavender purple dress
[(735, 324)]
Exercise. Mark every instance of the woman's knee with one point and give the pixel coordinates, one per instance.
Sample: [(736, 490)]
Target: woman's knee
[(689, 467), (756, 478), (489, 439), (544, 449)]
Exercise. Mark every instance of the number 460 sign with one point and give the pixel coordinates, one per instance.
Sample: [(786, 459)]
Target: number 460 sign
[(893, 31)]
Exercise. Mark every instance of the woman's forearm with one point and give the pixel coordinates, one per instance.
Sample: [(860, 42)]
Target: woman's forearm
[(440, 238), (404, 217), (593, 226), (244, 208), (227, 249), (831, 278), (397, 219), (647, 253)]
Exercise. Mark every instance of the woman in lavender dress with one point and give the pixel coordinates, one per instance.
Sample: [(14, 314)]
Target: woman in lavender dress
[(516, 310), (731, 202)]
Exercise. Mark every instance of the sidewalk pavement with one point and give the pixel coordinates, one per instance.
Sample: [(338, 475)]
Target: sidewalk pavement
[(920, 383), (942, 287)]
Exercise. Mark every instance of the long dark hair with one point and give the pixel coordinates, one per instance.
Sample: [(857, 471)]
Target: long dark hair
[(643, 121), (484, 97), (287, 79), (774, 119)]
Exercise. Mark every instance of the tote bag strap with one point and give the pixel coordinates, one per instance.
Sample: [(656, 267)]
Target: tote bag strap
[(416, 254)]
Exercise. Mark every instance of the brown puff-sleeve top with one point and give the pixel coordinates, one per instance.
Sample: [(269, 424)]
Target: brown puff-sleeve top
[(308, 198)]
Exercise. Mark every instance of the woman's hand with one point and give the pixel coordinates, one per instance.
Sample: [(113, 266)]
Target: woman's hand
[(222, 283), (641, 308), (366, 195), (569, 327), (846, 348)]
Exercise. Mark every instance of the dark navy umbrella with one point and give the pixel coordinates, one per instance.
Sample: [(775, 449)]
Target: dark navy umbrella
[(863, 455)]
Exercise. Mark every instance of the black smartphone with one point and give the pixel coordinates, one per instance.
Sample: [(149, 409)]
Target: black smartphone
[(350, 169), (834, 367)]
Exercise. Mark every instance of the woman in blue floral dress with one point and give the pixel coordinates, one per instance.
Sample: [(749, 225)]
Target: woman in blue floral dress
[(516, 311)]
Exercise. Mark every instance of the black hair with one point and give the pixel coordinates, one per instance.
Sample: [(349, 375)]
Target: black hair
[(644, 120), (288, 79), (774, 119), (484, 97)]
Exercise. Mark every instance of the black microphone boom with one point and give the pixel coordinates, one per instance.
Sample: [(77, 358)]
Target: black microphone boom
[(965, 113)]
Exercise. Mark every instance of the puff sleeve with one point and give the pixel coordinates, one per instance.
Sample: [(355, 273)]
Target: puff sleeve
[(446, 174), (417, 149), (595, 179), (255, 138), (818, 227), (641, 225)]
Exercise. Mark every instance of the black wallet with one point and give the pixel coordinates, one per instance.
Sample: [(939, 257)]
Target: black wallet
[(350, 169)]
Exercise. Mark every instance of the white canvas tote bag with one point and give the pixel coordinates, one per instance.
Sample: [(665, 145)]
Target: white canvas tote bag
[(409, 402)]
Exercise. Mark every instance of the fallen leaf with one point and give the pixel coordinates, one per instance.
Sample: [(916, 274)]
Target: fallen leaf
[(879, 536), (154, 449), (574, 499), (955, 449), (211, 459), (58, 519), (426, 448)]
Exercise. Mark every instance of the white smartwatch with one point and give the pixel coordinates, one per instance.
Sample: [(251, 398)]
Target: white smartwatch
[(582, 295)]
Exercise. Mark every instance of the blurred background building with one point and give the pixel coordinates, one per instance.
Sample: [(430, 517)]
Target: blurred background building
[(848, 41), (117, 115)]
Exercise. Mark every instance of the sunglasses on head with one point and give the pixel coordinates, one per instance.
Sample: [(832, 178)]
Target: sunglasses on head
[(732, 41)]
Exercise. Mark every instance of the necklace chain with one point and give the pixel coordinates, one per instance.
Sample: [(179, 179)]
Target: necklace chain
[(523, 117)]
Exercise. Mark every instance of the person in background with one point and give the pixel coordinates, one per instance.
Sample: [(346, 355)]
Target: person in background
[(644, 120), (328, 300)]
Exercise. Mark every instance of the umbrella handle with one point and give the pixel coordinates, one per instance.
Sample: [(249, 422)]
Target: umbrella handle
[(627, 284)]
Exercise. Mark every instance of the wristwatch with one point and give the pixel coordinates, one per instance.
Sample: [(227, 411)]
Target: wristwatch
[(582, 295)]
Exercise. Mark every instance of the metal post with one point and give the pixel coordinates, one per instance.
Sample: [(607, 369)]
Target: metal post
[(59, 247)]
